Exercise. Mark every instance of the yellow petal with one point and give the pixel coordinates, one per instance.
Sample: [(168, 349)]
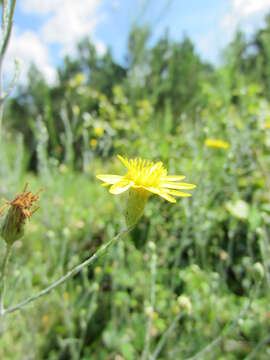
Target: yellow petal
[(110, 179), (173, 178), (120, 187), (151, 189), (161, 193), (123, 160), (180, 186), (158, 165), (178, 193), (167, 197)]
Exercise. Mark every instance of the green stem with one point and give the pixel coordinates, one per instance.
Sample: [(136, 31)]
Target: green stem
[(254, 352), (165, 337), (146, 350), (66, 277), (3, 278), (263, 245), (1, 96), (7, 22)]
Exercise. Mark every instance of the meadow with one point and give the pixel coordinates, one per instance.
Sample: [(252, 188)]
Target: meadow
[(191, 280)]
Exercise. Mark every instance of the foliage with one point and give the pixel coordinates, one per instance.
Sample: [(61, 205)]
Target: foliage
[(93, 89), (162, 105)]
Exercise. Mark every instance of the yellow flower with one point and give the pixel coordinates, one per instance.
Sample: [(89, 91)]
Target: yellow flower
[(66, 296), (99, 131), (267, 124), (216, 143), (93, 143), (144, 178), (76, 110), (45, 321)]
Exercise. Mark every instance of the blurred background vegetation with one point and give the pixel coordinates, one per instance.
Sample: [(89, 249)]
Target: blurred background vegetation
[(163, 104)]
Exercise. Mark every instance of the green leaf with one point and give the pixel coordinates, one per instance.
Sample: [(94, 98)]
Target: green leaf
[(238, 209)]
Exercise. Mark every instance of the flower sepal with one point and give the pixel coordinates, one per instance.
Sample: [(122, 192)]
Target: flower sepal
[(19, 210), (137, 199), (12, 230)]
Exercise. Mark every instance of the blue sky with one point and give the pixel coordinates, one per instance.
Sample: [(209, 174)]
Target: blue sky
[(180, 17), (45, 31)]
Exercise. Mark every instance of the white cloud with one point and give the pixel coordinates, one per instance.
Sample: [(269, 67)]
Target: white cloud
[(246, 8), (40, 7), (62, 23), (67, 21), (246, 14), (28, 48)]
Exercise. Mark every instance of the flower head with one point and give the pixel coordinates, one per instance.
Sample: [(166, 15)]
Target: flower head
[(217, 143), (93, 143), (267, 124), (142, 179), (20, 209), (99, 131), (147, 176)]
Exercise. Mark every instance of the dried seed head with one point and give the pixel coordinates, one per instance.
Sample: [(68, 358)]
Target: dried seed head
[(19, 209)]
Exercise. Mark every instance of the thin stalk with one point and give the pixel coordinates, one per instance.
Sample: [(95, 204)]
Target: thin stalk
[(145, 354), (165, 337), (3, 278), (1, 97), (258, 347), (66, 277), (89, 314), (263, 245), (7, 22), (264, 169)]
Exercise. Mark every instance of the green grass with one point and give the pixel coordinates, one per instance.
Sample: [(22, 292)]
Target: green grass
[(205, 248)]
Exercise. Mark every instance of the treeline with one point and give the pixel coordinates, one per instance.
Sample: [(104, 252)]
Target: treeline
[(98, 105)]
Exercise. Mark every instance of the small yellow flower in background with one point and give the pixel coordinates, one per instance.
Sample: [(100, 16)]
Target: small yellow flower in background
[(267, 124), (144, 178), (99, 131), (93, 143), (63, 168), (45, 321), (76, 110), (66, 296), (77, 80), (98, 270), (217, 143)]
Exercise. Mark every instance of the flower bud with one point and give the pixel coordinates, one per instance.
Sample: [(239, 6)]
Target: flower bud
[(12, 229), (19, 210), (185, 303), (152, 246)]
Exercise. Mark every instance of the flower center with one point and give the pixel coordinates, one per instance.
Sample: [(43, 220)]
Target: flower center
[(144, 173)]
